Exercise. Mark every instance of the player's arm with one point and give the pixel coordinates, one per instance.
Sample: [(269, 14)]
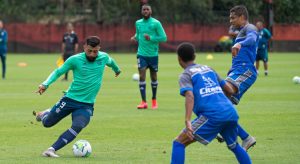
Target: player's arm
[(186, 90), (135, 37), (113, 64), (63, 45), (268, 34), (68, 65), (250, 40), (161, 34), (76, 44)]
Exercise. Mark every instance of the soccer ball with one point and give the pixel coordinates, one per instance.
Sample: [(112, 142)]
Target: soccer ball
[(135, 77), (82, 148), (296, 79)]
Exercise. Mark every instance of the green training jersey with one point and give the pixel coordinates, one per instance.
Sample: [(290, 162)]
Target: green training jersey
[(154, 29), (87, 76)]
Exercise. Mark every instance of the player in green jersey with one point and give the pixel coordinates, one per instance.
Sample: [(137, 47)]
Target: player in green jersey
[(88, 68), (149, 33)]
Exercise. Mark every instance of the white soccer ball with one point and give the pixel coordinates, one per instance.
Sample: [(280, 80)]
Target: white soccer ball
[(82, 148), (136, 77), (296, 79)]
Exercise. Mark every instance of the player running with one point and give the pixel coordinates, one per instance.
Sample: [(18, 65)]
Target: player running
[(202, 89), (88, 68), (149, 33)]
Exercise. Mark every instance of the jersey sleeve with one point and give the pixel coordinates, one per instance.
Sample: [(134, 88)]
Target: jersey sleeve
[(136, 32), (267, 33), (68, 65), (112, 63), (185, 83), (251, 36), (161, 34)]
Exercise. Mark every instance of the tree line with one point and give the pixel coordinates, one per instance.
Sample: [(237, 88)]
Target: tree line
[(124, 11)]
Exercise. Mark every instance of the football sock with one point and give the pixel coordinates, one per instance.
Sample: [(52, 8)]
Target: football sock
[(154, 85), (242, 133), (142, 86), (178, 153), (241, 155), (67, 137)]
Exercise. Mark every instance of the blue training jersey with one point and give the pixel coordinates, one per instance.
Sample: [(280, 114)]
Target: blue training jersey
[(248, 38), (209, 99)]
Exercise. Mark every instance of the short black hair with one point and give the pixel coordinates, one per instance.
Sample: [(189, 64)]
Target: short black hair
[(93, 41), (240, 10), (186, 51)]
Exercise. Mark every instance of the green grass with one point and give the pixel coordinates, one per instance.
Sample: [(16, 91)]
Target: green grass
[(119, 133)]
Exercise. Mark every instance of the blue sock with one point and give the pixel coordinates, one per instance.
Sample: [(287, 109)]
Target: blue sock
[(242, 133), (154, 89), (241, 155), (178, 153), (67, 137), (142, 86)]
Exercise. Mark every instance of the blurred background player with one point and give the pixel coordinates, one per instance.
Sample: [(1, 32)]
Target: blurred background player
[(3, 48), (88, 68), (69, 44), (242, 73), (202, 89), (149, 33), (262, 51)]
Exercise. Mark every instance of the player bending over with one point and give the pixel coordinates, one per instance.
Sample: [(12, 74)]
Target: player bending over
[(202, 89), (88, 68)]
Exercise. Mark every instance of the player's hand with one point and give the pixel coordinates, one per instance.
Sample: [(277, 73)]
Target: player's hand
[(235, 49), (147, 37), (41, 89), (117, 74), (189, 130)]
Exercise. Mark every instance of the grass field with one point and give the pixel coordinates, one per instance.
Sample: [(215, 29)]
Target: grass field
[(119, 133)]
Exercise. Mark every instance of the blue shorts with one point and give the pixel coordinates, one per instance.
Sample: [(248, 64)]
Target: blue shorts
[(205, 130), (242, 78), (148, 62), (66, 106)]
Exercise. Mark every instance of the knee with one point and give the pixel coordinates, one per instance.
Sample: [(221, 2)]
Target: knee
[(47, 124), (79, 125)]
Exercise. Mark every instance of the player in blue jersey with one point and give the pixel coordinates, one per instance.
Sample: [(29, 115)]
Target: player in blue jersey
[(262, 51), (242, 73), (3, 48), (203, 92)]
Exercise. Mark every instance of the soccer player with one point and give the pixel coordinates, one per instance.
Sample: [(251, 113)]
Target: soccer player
[(3, 48), (262, 51), (69, 45), (149, 33), (202, 89), (242, 73), (88, 68)]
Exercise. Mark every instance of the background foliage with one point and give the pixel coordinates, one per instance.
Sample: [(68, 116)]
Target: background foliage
[(120, 11)]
